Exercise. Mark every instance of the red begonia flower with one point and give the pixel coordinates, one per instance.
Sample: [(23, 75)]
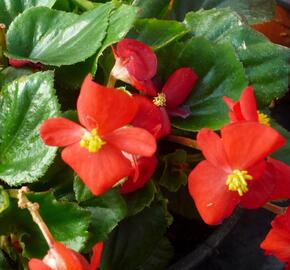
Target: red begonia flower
[(146, 168), (94, 150), (246, 108), (59, 257), (277, 241), (235, 169), (136, 64), (153, 115)]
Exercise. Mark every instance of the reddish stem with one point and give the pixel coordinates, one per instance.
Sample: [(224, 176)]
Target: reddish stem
[(182, 140)]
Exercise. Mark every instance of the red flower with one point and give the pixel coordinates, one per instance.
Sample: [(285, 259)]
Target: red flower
[(246, 108), (59, 257), (277, 241), (94, 150), (145, 168), (153, 115), (235, 170), (136, 64)]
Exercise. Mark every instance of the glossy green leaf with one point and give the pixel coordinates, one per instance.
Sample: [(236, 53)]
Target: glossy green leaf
[(120, 22), (160, 256), (10, 9), (25, 104), (67, 222), (151, 8), (218, 77), (9, 74), (82, 193), (132, 242), (174, 175), (55, 37), (157, 33), (106, 212), (253, 10), (266, 64), (139, 199)]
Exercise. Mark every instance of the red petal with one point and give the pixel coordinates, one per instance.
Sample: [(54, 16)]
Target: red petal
[(260, 188), (229, 102), (36, 264), (247, 143), (178, 87), (137, 141), (277, 241), (212, 148), (207, 186), (281, 177), (147, 167), (147, 87), (141, 61), (166, 126), (96, 257), (148, 116), (72, 259), (99, 171), (60, 132), (104, 108), (248, 104)]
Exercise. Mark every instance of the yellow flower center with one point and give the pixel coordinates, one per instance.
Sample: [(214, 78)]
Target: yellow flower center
[(237, 181), (92, 141), (263, 118), (160, 100)]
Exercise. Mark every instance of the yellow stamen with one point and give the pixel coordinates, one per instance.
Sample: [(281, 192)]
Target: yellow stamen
[(237, 181), (92, 141), (160, 100), (263, 118)]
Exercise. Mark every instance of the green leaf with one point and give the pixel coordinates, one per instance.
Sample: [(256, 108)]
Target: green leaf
[(220, 74), (254, 10), (266, 64), (151, 8), (174, 175), (157, 33), (82, 193), (120, 22), (9, 74), (283, 153), (55, 37), (106, 212), (132, 242), (10, 9), (67, 222), (141, 198), (160, 256), (25, 104)]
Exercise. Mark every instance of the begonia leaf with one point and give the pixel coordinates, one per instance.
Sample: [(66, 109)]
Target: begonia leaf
[(10, 9), (55, 37), (139, 199), (106, 212), (67, 222), (219, 72), (146, 30), (151, 8), (160, 256), (24, 104), (266, 64), (253, 10), (132, 242), (9, 74)]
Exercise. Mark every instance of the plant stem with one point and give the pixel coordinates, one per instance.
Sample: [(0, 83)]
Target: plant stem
[(182, 140), (3, 59), (169, 8), (84, 4), (278, 210), (33, 208), (111, 81)]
